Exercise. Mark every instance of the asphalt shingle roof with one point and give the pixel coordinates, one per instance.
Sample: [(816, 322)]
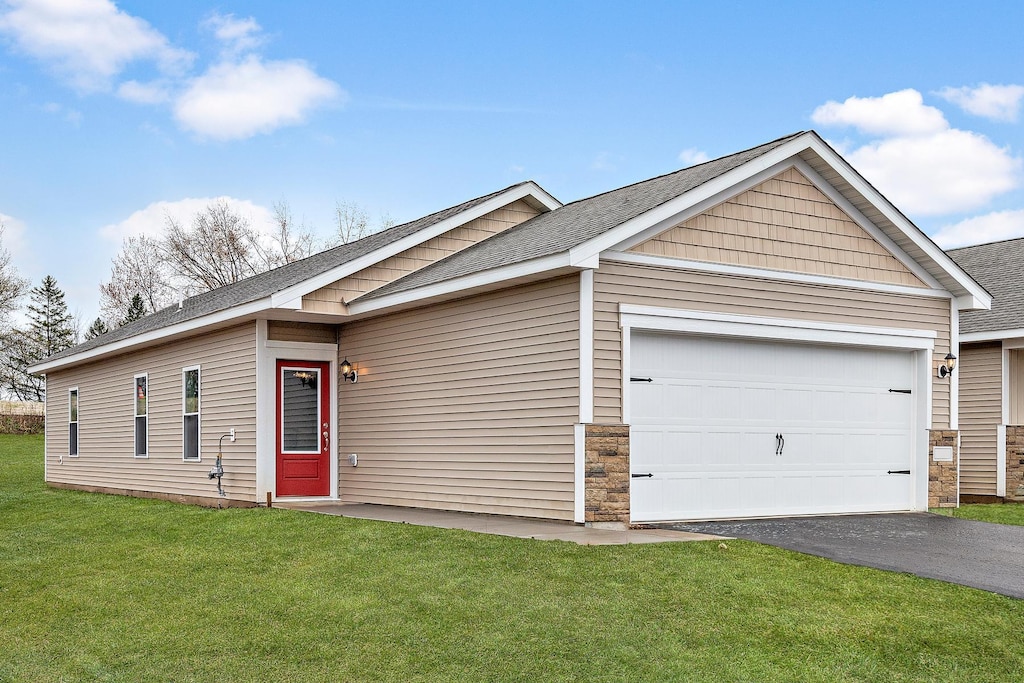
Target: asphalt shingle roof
[(273, 281), (997, 267), (573, 224)]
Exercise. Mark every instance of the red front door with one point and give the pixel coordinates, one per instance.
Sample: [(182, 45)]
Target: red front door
[(303, 428)]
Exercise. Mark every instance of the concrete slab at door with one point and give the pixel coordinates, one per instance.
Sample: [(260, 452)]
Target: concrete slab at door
[(303, 428)]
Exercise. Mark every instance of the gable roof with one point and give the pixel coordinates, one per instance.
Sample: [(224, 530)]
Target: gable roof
[(233, 298), (573, 224), (565, 238), (576, 234), (997, 266)]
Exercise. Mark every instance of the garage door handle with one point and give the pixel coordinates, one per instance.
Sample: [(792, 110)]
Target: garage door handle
[(780, 444), (899, 472), (638, 476)]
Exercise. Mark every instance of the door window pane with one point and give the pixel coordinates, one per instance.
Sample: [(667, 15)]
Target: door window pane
[(299, 412)]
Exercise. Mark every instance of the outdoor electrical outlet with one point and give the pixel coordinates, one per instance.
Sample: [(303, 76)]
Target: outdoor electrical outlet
[(232, 433), (353, 460)]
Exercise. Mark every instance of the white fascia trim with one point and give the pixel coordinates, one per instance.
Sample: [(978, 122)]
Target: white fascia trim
[(865, 189), (579, 476), (155, 335), (482, 278), (292, 296), (764, 273), (587, 346), (992, 335), (783, 329)]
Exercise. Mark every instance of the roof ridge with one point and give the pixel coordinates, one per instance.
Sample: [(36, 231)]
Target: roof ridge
[(686, 168)]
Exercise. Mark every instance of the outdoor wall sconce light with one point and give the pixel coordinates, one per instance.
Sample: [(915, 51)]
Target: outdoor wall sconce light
[(948, 365), (348, 372)]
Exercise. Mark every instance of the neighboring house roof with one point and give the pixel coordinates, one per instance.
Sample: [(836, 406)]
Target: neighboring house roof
[(997, 266)]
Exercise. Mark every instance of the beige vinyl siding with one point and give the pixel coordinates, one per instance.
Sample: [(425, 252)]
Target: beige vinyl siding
[(106, 414), (785, 223), (287, 331), (616, 283), (330, 299), (980, 367), (467, 405), (1016, 388)]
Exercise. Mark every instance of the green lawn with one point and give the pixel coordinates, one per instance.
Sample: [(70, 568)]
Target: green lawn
[(1005, 513), (108, 588)]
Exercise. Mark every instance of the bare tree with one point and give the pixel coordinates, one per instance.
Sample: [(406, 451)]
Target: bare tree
[(138, 269), (292, 242), (12, 285), (351, 223), (220, 248)]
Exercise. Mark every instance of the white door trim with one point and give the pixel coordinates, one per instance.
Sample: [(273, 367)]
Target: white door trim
[(922, 342), (268, 352)]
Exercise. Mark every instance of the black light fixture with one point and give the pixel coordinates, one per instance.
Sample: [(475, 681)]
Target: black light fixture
[(948, 365), (348, 372)]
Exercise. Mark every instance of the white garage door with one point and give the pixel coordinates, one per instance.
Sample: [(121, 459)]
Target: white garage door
[(724, 428)]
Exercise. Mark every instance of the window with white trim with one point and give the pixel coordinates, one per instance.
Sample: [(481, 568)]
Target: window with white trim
[(190, 405), (142, 416), (73, 421)]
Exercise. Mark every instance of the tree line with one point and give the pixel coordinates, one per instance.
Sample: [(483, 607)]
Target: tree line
[(218, 247)]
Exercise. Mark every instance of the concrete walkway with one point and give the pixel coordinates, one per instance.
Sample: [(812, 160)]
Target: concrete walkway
[(541, 530)]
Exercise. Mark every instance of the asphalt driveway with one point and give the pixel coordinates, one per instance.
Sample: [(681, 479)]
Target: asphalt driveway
[(976, 554)]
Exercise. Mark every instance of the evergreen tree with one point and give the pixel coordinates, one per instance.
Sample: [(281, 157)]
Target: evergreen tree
[(136, 310), (50, 330), (97, 328)]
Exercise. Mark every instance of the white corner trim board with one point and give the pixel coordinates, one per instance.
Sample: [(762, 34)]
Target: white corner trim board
[(587, 346)]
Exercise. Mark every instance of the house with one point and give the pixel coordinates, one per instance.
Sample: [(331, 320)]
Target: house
[(992, 375), (756, 335)]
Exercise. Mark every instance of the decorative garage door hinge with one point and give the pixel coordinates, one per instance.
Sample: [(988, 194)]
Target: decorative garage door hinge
[(640, 379), (900, 391), (899, 472)]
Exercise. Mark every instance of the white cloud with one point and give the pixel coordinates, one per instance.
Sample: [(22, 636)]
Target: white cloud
[(15, 238), (152, 220), (144, 93), (87, 41), (947, 172), (691, 156), (992, 227), (999, 102), (237, 35), (897, 113), (233, 101), (916, 159)]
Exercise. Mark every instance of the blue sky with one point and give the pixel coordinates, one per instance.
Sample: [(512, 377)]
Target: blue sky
[(115, 114)]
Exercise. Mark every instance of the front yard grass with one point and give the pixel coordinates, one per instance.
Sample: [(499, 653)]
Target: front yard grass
[(108, 588), (1004, 513)]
